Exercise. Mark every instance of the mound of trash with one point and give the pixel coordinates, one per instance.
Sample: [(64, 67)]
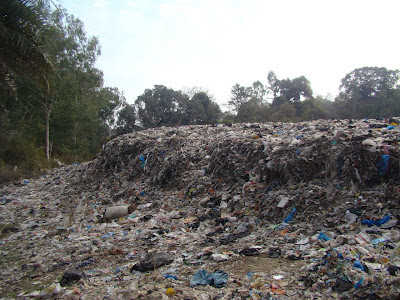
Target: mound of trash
[(259, 211), (243, 165), (286, 153)]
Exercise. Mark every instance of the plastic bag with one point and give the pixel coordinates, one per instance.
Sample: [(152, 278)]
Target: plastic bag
[(216, 279)]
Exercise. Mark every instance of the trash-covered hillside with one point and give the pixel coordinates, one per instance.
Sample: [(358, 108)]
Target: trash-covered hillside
[(249, 211)]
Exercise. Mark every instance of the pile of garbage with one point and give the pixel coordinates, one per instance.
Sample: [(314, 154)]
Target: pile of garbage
[(247, 211)]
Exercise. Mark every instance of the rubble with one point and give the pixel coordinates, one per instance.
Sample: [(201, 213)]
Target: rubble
[(282, 210)]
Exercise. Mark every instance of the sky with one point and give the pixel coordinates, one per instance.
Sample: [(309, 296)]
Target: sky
[(215, 44)]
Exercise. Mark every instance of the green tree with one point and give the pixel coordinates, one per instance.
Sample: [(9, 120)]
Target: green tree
[(258, 91), (368, 82), (202, 110), (196, 113), (77, 85), (79, 123), (250, 103), (252, 111), (317, 108), (291, 91), (273, 83), (161, 106), (295, 90), (227, 117), (366, 90), (392, 107), (126, 122), (109, 100), (22, 53), (239, 95), (285, 113), (62, 108)]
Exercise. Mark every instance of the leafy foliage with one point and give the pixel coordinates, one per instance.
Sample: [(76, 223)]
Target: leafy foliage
[(126, 120), (53, 98), (22, 52), (202, 110), (370, 92), (367, 92), (161, 106), (240, 95), (368, 82)]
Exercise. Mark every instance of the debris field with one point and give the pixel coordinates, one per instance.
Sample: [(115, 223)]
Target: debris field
[(248, 211)]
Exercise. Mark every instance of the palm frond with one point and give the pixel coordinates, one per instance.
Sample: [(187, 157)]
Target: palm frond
[(21, 43)]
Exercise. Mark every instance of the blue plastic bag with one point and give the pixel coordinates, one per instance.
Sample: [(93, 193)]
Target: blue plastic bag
[(170, 276), (323, 236), (383, 165), (358, 265), (217, 279), (143, 161), (376, 222), (290, 216), (359, 283)]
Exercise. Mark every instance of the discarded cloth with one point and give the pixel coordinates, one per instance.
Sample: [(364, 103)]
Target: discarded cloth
[(378, 222), (153, 261), (216, 279)]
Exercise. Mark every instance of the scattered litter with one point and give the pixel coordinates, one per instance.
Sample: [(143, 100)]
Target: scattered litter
[(312, 205)]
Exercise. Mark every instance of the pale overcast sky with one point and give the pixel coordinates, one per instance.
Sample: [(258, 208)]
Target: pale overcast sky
[(218, 43)]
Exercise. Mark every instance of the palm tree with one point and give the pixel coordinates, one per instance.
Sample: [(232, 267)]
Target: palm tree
[(22, 54)]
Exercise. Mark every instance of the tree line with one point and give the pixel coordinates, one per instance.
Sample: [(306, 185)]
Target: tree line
[(163, 106), (53, 100), (54, 103), (368, 92)]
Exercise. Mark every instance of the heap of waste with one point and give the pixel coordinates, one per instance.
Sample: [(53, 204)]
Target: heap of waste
[(248, 211)]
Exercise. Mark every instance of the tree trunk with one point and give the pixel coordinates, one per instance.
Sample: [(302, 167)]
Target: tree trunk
[(76, 124), (48, 111)]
